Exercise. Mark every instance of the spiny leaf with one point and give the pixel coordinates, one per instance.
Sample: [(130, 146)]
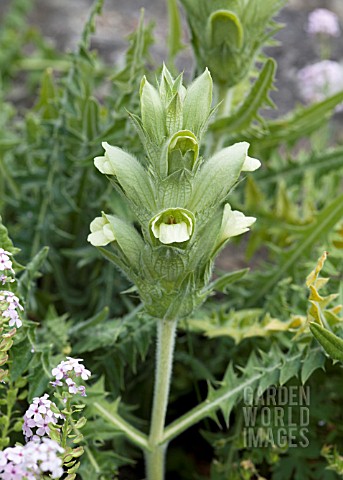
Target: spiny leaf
[(297, 125), (313, 360), (259, 373), (257, 98), (175, 44), (326, 219), (332, 344), (89, 26), (317, 163)]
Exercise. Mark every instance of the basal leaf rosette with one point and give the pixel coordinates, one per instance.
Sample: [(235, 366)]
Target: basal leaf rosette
[(173, 225)]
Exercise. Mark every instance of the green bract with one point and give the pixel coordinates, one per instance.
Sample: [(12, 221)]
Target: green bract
[(228, 34), (179, 198)]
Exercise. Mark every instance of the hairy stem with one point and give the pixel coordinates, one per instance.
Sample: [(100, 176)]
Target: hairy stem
[(155, 459), (131, 432)]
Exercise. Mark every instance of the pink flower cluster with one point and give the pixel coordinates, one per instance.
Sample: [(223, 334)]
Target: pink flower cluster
[(320, 80), (9, 306), (38, 416), (31, 461), (68, 370), (323, 21), (5, 266)]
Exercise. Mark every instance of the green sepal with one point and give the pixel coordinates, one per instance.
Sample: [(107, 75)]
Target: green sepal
[(197, 104), (80, 423), (3, 360), (217, 176), (332, 344), (6, 344), (152, 111)]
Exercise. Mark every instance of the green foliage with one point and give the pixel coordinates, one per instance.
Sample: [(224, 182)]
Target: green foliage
[(255, 329), (59, 139), (248, 111)]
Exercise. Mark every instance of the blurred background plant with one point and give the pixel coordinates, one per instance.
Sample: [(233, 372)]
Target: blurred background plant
[(57, 108)]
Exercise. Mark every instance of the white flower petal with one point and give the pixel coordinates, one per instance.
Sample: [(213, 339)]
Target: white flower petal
[(98, 239), (103, 164), (178, 232), (101, 232), (250, 164), (97, 224)]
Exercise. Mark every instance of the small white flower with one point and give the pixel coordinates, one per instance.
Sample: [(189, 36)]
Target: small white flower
[(174, 225), (323, 21), (101, 232), (234, 223)]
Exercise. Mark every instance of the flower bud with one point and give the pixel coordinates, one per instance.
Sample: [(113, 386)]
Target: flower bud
[(228, 34), (174, 225), (183, 151)]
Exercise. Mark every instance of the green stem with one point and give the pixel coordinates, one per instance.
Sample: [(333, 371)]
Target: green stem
[(224, 97), (155, 459), (66, 424), (131, 432)]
